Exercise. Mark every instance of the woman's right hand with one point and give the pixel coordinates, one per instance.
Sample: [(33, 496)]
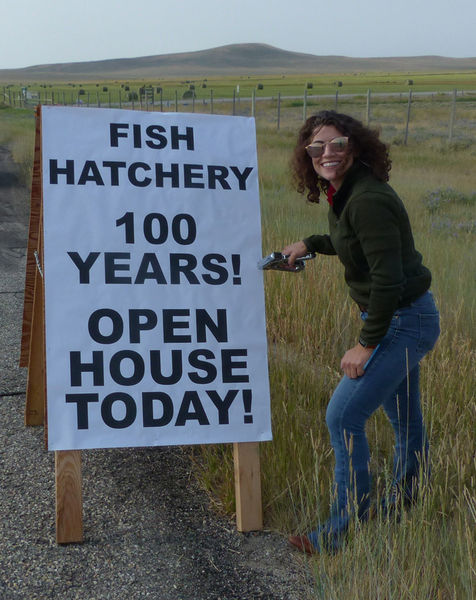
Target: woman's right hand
[(296, 250)]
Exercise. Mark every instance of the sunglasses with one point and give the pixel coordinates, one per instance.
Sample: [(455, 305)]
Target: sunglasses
[(338, 144)]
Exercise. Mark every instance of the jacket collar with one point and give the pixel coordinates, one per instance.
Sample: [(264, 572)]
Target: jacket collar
[(356, 172)]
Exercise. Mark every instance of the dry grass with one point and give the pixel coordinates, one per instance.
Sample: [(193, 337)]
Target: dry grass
[(17, 132), (311, 322)]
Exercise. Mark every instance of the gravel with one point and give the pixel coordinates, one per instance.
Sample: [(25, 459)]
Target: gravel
[(150, 531)]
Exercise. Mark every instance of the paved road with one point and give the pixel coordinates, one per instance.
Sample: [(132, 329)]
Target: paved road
[(149, 529)]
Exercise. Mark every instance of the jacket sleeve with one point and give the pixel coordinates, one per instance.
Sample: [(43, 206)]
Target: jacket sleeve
[(375, 220), (320, 243)]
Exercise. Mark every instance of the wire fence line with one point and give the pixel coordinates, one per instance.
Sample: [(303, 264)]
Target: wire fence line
[(419, 116)]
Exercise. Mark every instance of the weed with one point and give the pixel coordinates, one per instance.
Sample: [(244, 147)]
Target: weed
[(441, 198)]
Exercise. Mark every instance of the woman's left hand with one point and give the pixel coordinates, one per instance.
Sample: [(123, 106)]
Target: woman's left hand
[(353, 361)]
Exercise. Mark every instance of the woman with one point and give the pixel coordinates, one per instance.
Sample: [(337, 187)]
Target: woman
[(370, 232)]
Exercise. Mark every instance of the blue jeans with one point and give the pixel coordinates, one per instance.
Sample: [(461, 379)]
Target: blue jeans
[(391, 380)]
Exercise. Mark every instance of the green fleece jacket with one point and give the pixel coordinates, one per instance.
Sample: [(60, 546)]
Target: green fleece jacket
[(370, 233)]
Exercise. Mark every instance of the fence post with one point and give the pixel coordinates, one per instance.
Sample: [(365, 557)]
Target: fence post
[(408, 117), (304, 105), (120, 99), (253, 102), (161, 101), (234, 102), (279, 110), (452, 117), (368, 108), (336, 104), (211, 102)]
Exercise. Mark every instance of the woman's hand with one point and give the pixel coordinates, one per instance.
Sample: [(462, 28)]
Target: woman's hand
[(353, 361), (294, 251)]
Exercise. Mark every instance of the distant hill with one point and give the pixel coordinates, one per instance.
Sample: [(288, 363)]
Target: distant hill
[(234, 59)]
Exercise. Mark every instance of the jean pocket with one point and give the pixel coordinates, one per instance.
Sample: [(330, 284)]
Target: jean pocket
[(429, 332)]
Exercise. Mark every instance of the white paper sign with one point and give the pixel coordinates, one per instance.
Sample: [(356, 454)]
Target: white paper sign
[(155, 325)]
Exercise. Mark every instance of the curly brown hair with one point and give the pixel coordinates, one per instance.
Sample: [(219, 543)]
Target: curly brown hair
[(364, 143)]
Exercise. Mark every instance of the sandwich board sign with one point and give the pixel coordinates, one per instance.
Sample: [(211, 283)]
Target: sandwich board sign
[(153, 302)]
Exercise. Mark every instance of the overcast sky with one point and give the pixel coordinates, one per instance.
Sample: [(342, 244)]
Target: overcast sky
[(54, 31)]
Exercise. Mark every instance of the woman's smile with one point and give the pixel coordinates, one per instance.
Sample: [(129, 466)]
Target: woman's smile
[(332, 165)]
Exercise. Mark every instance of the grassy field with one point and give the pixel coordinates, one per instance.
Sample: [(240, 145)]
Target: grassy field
[(311, 323), (431, 553), (17, 132), (116, 92)]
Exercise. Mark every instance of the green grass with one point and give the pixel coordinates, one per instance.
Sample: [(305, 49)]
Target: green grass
[(311, 322), (224, 87)]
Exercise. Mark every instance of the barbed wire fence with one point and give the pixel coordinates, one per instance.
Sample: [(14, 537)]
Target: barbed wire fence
[(401, 116)]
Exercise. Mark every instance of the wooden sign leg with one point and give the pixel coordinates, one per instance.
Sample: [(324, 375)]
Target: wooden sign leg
[(33, 328), (33, 243), (249, 511), (35, 391), (69, 497)]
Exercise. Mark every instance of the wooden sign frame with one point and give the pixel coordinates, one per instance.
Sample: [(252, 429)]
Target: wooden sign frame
[(68, 475)]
